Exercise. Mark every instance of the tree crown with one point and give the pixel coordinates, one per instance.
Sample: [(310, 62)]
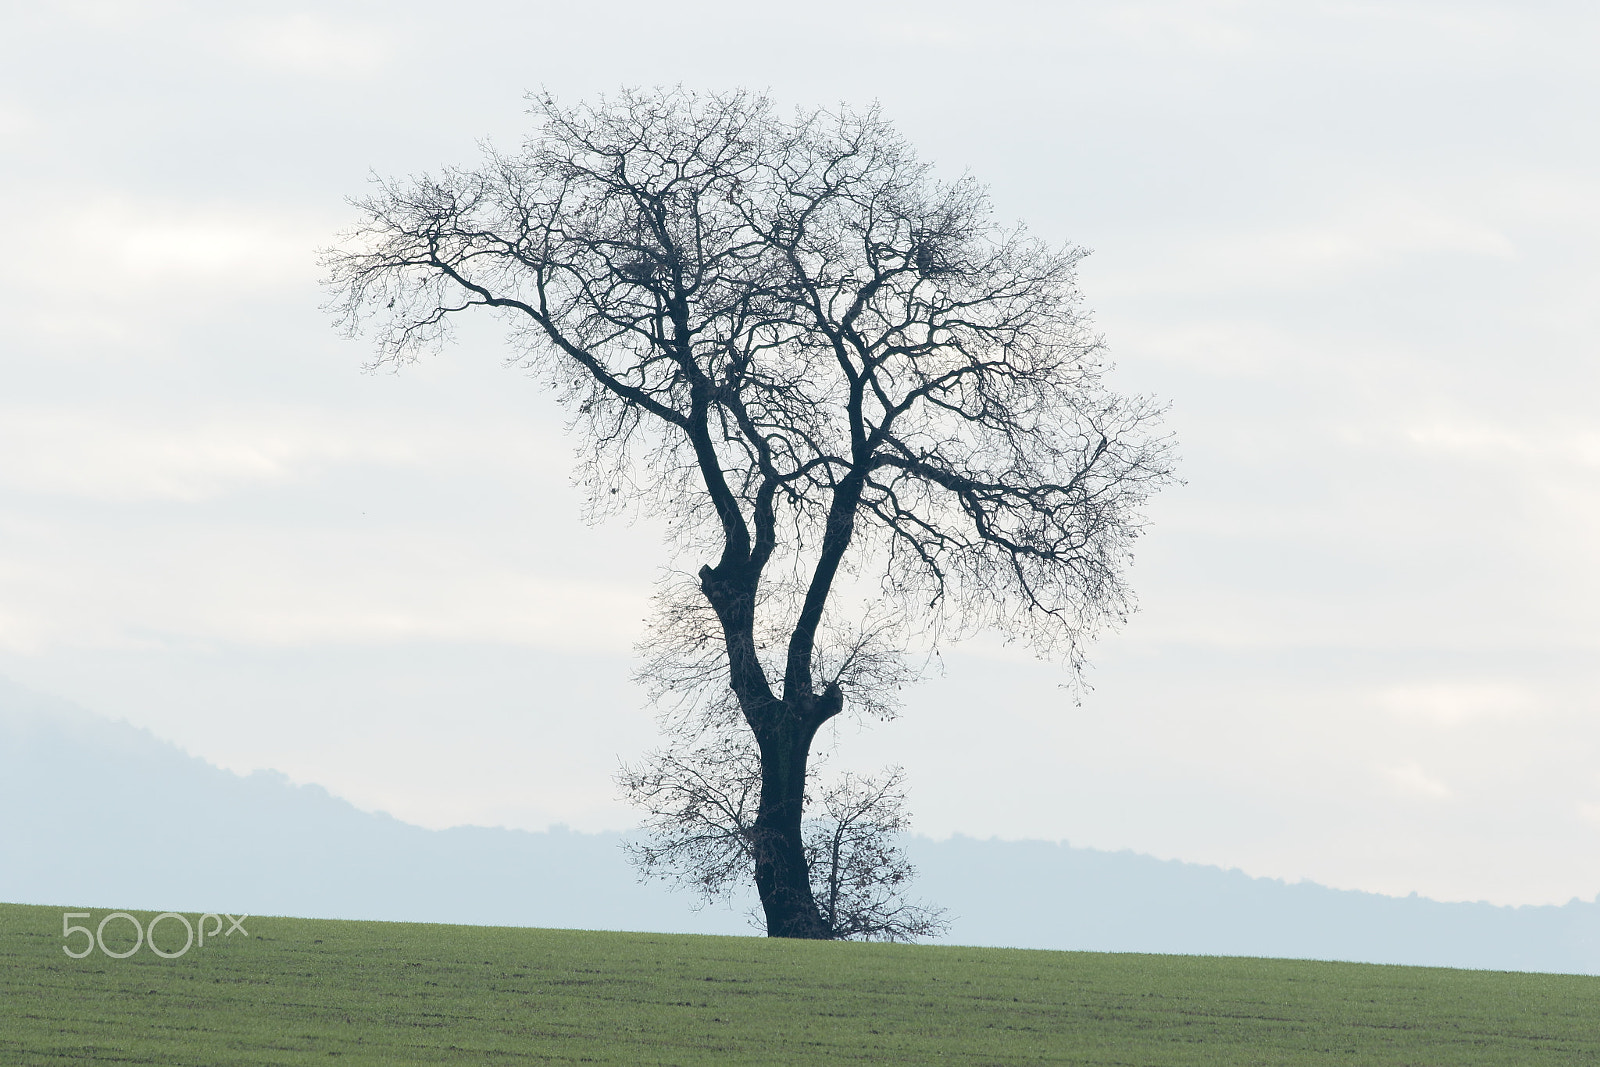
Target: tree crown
[(790, 338)]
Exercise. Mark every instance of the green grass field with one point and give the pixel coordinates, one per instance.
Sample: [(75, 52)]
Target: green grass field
[(294, 991)]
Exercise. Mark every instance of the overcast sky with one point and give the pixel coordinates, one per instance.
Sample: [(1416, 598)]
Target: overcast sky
[(1353, 244)]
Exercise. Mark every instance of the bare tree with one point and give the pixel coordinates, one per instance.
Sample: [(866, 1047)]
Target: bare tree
[(829, 371), (701, 798), (858, 871)]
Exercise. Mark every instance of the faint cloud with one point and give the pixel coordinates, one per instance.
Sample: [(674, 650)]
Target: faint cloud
[(116, 456), (1155, 25), (1411, 779), (154, 246), (108, 456), (115, 14), (1380, 231), (1486, 440), (126, 257), (1202, 27), (1454, 703), (1488, 26), (1231, 348), (1589, 813), (16, 121), (447, 598), (1372, 233), (72, 587), (313, 44), (1460, 436), (144, 242), (922, 31)]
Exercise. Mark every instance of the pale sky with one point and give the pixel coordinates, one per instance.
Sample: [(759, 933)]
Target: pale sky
[(1355, 245)]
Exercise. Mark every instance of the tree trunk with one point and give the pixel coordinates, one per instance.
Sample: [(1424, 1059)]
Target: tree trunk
[(782, 878), (784, 730)]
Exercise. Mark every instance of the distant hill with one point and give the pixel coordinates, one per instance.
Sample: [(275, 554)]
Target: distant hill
[(100, 814), (1037, 894)]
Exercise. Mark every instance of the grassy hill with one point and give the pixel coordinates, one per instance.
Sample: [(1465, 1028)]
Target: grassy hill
[(291, 991)]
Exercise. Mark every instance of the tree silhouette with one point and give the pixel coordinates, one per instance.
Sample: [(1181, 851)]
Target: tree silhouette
[(875, 416)]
